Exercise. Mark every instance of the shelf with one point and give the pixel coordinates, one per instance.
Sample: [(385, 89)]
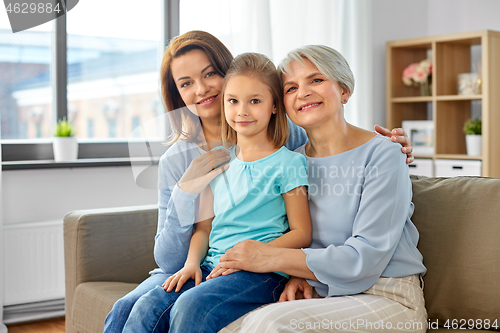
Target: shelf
[(457, 157), (449, 157), (452, 55), (458, 97), (420, 157), (421, 99), (418, 99)]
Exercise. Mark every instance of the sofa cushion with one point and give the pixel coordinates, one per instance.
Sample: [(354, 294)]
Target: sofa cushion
[(459, 224), (108, 242), (93, 301)]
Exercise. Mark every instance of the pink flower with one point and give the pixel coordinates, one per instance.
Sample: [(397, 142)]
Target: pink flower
[(417, 73), (408, 72), (420, 74)]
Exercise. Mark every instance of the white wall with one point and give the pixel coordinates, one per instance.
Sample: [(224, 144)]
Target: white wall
[(34, 199), (450, 16), (392, 19), (48, 194), (399, 19)]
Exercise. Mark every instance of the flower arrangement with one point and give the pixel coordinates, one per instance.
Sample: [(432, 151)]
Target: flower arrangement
[(418, 73)]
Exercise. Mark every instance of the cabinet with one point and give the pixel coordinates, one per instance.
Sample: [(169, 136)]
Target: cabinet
[(422, 167), (451, 168), (451, 55)]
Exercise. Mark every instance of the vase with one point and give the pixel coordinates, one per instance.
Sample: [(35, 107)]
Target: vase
[(65, 149), (474, 144), (426, 88)]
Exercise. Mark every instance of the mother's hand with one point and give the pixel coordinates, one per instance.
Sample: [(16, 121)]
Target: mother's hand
[(398, 135), (249, 255), (202, 170)]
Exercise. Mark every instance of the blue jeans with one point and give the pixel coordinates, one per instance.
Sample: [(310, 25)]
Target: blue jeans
[(121, 309), (207, 307)]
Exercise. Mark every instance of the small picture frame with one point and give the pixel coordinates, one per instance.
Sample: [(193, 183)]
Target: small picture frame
[(421, 134)]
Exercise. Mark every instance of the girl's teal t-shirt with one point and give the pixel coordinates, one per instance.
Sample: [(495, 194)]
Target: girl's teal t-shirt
[(248, 200)]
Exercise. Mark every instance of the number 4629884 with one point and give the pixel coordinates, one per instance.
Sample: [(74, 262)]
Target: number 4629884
[(25, 8), (470, 324)]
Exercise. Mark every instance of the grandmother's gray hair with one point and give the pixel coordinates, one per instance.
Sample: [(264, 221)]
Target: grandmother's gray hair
[(328, 61)]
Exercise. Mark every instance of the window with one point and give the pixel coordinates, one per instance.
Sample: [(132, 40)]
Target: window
[(278, 26), (112, 57), (25, 81), (90, 128), (111, 127), (113, 66), (136, 122)]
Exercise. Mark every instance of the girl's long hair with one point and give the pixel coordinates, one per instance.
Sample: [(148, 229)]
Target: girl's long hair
[(260, 67)]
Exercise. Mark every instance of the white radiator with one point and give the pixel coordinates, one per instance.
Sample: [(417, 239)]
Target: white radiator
[(34, 262)]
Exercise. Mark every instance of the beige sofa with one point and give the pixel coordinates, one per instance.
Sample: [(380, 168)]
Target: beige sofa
[(108, 252)]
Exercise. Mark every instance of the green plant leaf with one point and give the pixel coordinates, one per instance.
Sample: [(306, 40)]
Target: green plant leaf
[(473, 127), (64, 128)]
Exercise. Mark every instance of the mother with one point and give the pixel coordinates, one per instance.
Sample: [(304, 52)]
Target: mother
[(362, 270), (192, 72)]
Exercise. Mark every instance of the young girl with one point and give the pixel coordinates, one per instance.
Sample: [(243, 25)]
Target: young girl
[(261, 196)]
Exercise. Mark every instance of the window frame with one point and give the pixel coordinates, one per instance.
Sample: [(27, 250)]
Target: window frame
[(24, 150)]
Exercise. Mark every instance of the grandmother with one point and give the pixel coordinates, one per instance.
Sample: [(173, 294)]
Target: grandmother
[(362, 270)]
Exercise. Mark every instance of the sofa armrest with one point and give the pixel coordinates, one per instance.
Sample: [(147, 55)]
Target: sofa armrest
[(113, 244)]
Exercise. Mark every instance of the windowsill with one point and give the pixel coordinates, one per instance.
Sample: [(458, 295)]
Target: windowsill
[(79, 163)]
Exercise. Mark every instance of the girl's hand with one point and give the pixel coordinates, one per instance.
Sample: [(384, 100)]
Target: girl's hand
[(398, 135), (189, 271), (218, 271), (249, 255), (296, 288), (202, 170)]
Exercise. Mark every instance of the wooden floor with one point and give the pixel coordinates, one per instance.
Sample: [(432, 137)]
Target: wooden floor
[(55, 325)]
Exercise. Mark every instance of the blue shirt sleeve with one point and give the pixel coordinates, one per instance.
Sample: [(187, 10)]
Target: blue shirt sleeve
[(295, 174), (172, 238), (384, 208), (298, 136)]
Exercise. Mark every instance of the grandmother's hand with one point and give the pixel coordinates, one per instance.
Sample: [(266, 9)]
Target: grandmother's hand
[(398, 135), (202, 170), (296, 288), (249, 255)]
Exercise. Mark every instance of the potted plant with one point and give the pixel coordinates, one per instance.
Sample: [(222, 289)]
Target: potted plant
[(64, 142), (473, 137)]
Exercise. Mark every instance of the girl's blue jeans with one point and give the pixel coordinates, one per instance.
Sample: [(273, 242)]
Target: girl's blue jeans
[(121, 309), (208, 307)]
